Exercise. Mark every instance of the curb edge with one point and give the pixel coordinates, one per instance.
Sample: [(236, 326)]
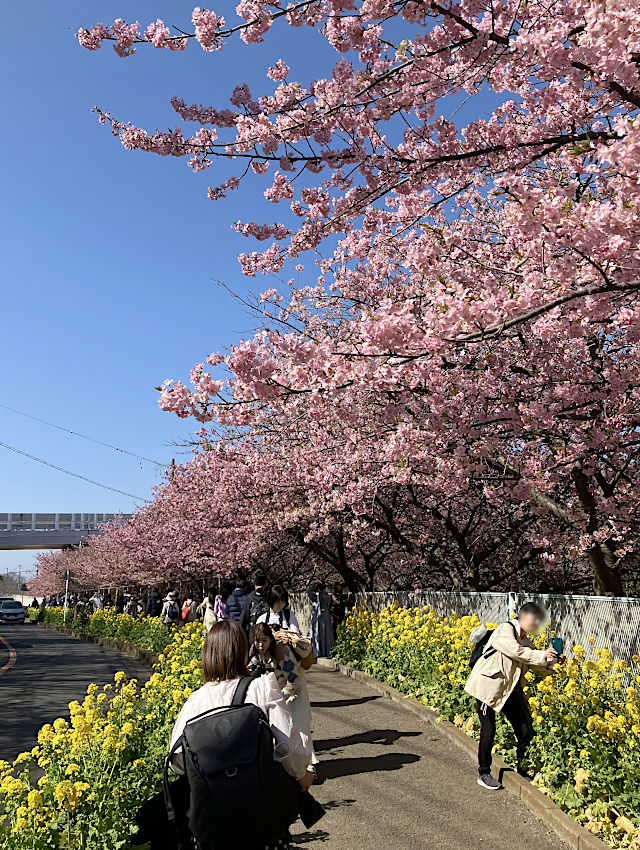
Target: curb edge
[(129, 649)]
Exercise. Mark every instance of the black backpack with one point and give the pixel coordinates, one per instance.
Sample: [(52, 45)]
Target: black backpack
[(229, 764), (257, 607), (479, 649)]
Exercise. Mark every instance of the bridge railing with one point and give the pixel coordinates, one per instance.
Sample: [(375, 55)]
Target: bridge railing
[(56, 521)]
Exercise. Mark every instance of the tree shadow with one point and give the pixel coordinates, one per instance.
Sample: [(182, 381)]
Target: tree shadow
[(308, 837), (383, 737), (337, 804), (335, 768), (343, 703)]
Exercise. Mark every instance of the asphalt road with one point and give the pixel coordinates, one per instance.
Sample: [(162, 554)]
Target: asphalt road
[(49, 671), (392, 780)]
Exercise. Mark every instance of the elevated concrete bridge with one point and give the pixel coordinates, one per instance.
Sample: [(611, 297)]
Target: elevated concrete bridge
[(51, 531)]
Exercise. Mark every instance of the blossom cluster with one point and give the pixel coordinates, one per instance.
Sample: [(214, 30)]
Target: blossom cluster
[(446, 388), (464, 323)]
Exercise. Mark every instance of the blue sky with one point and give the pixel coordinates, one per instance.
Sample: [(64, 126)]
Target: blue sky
[(108, 257)]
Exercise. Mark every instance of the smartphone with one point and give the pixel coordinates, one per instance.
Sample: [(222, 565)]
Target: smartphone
[(558, 644)]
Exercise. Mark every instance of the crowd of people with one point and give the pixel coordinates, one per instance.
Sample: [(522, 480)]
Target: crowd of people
[(252, 622), (244, 600)]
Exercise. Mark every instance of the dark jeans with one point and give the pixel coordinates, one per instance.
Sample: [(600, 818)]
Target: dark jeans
[(516, 710)]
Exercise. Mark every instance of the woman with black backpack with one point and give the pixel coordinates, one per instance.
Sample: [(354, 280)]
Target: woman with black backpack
[(213, 742)]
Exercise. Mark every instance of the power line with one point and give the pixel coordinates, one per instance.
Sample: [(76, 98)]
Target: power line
[(68, 472), (84, 436)]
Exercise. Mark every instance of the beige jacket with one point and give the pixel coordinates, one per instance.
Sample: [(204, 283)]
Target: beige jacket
[(496, 674)]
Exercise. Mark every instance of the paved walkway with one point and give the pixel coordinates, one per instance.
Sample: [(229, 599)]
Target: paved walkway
[(394, 781), (50, 670)]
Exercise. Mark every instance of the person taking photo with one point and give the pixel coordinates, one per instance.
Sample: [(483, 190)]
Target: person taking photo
[(496, 682)]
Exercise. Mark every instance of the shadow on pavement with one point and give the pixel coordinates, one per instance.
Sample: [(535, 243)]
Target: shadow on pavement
[(350, 767), (385, 737), (343, 703), (337, 804), (508, 769), (308, 837)]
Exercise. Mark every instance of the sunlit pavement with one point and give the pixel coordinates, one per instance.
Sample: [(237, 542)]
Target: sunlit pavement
[(392, 780)]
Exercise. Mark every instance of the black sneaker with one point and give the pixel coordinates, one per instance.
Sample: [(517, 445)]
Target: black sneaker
[(485, 780)]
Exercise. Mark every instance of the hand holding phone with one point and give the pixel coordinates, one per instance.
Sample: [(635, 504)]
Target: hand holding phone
[(558, 644)]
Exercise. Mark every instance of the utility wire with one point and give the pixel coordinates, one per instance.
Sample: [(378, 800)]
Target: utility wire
[(84, 436), (68, 472)]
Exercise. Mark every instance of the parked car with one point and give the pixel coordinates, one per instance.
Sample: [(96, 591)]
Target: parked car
[(11, 611)]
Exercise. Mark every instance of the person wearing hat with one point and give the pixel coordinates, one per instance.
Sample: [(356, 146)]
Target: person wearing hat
[(170, 610)]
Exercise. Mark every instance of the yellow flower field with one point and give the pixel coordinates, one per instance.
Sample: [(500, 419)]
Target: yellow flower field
[(146, 632), (101, 764), (586, 754)]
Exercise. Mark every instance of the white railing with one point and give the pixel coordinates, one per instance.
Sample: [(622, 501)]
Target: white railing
[(56, 522)]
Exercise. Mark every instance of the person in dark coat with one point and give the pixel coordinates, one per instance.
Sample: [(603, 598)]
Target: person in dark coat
[(154, 604), (321, 631), (235, 602), (255, 602)]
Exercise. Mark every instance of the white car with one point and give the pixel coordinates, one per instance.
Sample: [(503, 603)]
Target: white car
[(11, 611)]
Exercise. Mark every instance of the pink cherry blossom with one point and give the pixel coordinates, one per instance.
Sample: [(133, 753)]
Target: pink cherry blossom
[(448, 390)]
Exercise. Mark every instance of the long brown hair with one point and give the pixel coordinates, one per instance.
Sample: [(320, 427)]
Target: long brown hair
[(224, 655)]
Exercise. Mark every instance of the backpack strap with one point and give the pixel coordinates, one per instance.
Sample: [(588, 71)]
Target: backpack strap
[(171, 815), (241, 691), (489, 651)]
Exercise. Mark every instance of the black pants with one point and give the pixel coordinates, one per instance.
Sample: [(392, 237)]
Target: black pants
[(516, 710)]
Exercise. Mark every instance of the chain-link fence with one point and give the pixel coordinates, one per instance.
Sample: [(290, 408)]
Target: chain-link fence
[(490, 607), (611, 621)]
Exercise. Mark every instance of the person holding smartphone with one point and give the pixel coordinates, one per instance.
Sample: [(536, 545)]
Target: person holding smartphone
[(496, 682)]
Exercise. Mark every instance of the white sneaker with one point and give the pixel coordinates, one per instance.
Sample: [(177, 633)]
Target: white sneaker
[(485, 780)]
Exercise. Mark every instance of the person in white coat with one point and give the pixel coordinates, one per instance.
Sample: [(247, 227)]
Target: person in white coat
[(282, 652), (224, 661)]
